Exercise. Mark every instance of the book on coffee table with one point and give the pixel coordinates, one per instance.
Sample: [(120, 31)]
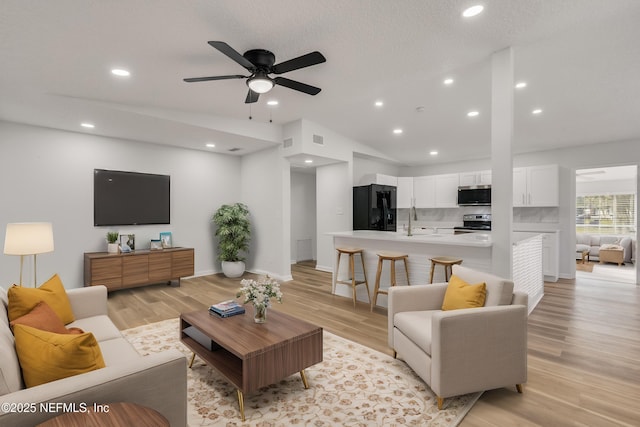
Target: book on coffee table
[(225, 306), (229, 313)]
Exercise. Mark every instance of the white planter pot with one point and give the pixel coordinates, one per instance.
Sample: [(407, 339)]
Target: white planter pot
[(112, 248), (233, 269)]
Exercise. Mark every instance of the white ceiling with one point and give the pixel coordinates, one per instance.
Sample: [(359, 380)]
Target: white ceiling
[(581, 59)]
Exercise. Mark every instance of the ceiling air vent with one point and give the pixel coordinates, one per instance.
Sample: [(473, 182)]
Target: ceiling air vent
[(318, 139), (235, 149), (287, 143)]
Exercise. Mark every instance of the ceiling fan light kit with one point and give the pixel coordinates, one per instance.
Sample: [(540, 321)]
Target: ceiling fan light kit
[(260, 63), (260, 83)]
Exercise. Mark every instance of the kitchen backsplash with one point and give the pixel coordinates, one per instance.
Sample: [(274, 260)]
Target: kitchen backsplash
[(452, 217)]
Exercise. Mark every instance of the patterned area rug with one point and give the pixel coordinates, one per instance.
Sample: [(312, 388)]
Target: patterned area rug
[(353, 386)]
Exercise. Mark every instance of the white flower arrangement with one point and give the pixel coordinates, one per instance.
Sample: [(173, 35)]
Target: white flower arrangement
[(259, 292)]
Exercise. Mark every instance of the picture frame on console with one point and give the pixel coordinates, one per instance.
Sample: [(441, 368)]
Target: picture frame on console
[(156, 244), (166, 239), (127, 242)]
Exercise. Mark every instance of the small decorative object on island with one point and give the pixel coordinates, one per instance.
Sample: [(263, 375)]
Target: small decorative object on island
[(112, 242), (259, 293), (234, 233)]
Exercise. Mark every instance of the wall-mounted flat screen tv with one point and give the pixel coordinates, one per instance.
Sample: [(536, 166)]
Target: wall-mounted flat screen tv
[(130, 198)]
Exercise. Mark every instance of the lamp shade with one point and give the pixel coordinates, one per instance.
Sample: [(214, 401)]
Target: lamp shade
[(28, 238)]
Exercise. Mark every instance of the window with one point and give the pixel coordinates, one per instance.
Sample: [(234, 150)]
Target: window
[(606, 214)]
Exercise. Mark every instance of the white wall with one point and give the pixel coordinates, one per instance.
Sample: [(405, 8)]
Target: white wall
[(362, 167), (303, 214), (334, 207), (266, 190), (47, 175), (613, 186)]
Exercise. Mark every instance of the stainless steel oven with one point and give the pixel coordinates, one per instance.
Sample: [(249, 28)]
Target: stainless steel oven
[(474, 223)]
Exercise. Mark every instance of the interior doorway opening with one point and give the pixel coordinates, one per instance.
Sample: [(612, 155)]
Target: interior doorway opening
[(606, 223)]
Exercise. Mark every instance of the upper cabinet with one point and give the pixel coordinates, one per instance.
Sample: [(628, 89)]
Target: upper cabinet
[(536, 186), (447, 190), (436, 191), (378, 178), (404, 194), (475, 178), (424, 191)]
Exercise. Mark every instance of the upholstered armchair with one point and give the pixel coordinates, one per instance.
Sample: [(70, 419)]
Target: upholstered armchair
[(466, 350)]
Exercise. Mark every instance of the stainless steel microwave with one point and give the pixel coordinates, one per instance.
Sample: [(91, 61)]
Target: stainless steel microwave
[(474, 195)]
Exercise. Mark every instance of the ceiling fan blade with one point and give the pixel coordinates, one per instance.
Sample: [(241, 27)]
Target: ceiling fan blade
[(303, 61), (233, 54), (205, 79), (292, 84), (252, 97)]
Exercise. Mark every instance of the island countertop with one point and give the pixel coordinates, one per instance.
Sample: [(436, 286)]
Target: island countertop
[(480, 240), (473, 248)]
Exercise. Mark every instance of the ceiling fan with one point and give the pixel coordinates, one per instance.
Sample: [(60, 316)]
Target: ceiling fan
[(260, 63)]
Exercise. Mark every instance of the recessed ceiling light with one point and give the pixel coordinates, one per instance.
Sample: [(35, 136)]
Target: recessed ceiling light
[(521, 85), (308, 161), (397, 131), (210, 145), (120, 72), (273, 102), (536, 111), (472, 113), (88, 125), (433, 153), (473, 11), (379, 103), (448, 81)]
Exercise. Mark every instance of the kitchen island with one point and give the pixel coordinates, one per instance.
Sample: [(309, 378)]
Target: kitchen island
[(473, 248)]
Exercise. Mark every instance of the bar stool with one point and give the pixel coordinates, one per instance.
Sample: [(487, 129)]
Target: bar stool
[(352, 273), (447, 262), (392, 257)]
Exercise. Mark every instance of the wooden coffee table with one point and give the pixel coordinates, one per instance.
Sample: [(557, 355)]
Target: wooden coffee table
[(251, 355)]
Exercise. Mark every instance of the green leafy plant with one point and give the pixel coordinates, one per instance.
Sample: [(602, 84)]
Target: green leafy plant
[(112, 236), (233, 231)]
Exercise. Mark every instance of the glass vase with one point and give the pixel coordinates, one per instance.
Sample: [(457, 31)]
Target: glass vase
[(259, 313)]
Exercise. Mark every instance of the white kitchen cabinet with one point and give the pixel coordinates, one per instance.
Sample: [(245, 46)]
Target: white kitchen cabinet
[(378, 178), (536, 186), (424, 191), (446, 190), (475, 178), (404, 193), (550, 251), (436, 191)]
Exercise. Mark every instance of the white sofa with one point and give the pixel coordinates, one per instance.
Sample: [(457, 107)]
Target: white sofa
[(461, 351), (593, 242), (157, 381)]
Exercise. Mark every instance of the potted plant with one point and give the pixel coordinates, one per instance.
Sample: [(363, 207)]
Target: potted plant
[(234, 233), (112, 239)]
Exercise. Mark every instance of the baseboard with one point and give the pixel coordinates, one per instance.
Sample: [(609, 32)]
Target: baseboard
[(324, 268)]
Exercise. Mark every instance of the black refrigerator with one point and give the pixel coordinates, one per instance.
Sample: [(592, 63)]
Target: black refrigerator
[(374, 207)]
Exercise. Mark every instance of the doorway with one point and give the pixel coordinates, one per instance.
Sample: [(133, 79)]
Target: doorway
[(606, 223)]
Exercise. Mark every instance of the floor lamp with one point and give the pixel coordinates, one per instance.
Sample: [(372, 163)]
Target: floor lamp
[(28, 238)]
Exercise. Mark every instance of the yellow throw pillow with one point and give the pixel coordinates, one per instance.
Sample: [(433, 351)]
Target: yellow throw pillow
[(47, 356), (22, 300), (460, 294)]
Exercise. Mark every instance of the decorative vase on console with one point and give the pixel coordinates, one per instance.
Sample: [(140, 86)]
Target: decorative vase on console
[(259, 293)]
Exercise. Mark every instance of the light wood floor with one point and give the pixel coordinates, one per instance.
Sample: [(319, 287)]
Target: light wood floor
[(584, 342)]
